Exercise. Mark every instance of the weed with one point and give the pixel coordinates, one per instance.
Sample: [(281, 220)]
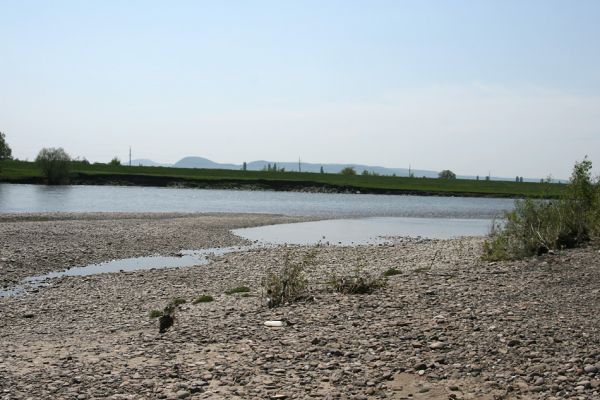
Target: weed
[(392, 272), (239, 289), (359, 282), (155, 314), (177, 301), (289, 284), (205, 298)]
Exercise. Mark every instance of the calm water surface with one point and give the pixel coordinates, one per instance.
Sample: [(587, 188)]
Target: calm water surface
[(38, 198)]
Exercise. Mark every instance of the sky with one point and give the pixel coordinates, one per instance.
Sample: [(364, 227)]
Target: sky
[(502, 87)]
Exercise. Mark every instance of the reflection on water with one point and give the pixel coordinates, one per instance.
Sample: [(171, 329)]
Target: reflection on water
[(37, 198), (364, 231), (186, 258)]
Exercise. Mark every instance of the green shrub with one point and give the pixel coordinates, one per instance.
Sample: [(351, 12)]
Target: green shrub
[(205, 298), (239, 289), (359, 282), (349, 171), (177, 301), (288, 284), (115, 161), (55, 165), (155, 313), (537, 226), (392, 272)]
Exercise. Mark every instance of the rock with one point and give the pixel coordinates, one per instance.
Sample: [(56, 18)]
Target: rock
[(590, 369), (437, 345), (274, 324)]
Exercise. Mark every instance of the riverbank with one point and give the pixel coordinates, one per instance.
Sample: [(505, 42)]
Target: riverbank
[(102, 174), (448, 326), (35, 244)]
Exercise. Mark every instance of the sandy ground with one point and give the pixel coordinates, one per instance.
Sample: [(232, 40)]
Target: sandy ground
[(449, 326)]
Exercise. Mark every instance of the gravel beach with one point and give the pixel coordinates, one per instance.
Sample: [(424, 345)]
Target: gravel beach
[(449, 326)]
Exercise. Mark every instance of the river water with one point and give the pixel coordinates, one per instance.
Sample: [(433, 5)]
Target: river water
[(348, 219), (38, 198)]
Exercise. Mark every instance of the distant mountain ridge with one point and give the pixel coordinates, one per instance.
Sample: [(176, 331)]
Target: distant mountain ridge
[(258, 165)]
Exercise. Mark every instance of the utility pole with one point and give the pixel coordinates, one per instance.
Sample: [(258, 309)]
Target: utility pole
[(130, 156)]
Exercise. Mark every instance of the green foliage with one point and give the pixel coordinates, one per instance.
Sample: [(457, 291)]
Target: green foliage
[(205, 298), (288, 284), (155, 314), (239, 289), (177, 301), (447, 174), (115, 161), (359, 282), (5, 150), (392, 272), (348, 171), (55, 165), (535, 227)]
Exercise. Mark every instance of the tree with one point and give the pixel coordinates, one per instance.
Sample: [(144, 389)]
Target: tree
[(244, 166), (365, 172), (55, 165), (447, 174), (115, 161), (348, 171), (5, 151), (322, 170)]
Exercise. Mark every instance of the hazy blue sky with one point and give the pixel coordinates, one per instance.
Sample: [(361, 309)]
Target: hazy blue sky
[(511, 87)]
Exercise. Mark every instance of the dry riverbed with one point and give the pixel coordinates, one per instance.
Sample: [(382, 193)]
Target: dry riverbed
[(449, 326)]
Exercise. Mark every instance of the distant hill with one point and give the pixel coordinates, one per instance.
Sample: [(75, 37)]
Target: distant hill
[(201, 162)]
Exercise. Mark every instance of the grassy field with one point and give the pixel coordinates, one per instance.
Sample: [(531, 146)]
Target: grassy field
[(27, 172)]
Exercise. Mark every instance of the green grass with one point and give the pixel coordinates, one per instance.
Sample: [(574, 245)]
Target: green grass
[(240, 289), (155, 314), (21, 171)]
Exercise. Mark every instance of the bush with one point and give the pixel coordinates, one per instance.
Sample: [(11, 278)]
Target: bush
[(115, 161), (447, 174), (348, 171), (155, 313), (392, 272), (55, 165), (239, 289), (289, 284), (359, 282), (205, 298), (537, 226)]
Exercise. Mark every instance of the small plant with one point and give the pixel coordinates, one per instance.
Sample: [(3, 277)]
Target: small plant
[(177, 301), (166, 317), (239, 289), (205, 298), (359, 282), (289, 284), (392, 272)]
